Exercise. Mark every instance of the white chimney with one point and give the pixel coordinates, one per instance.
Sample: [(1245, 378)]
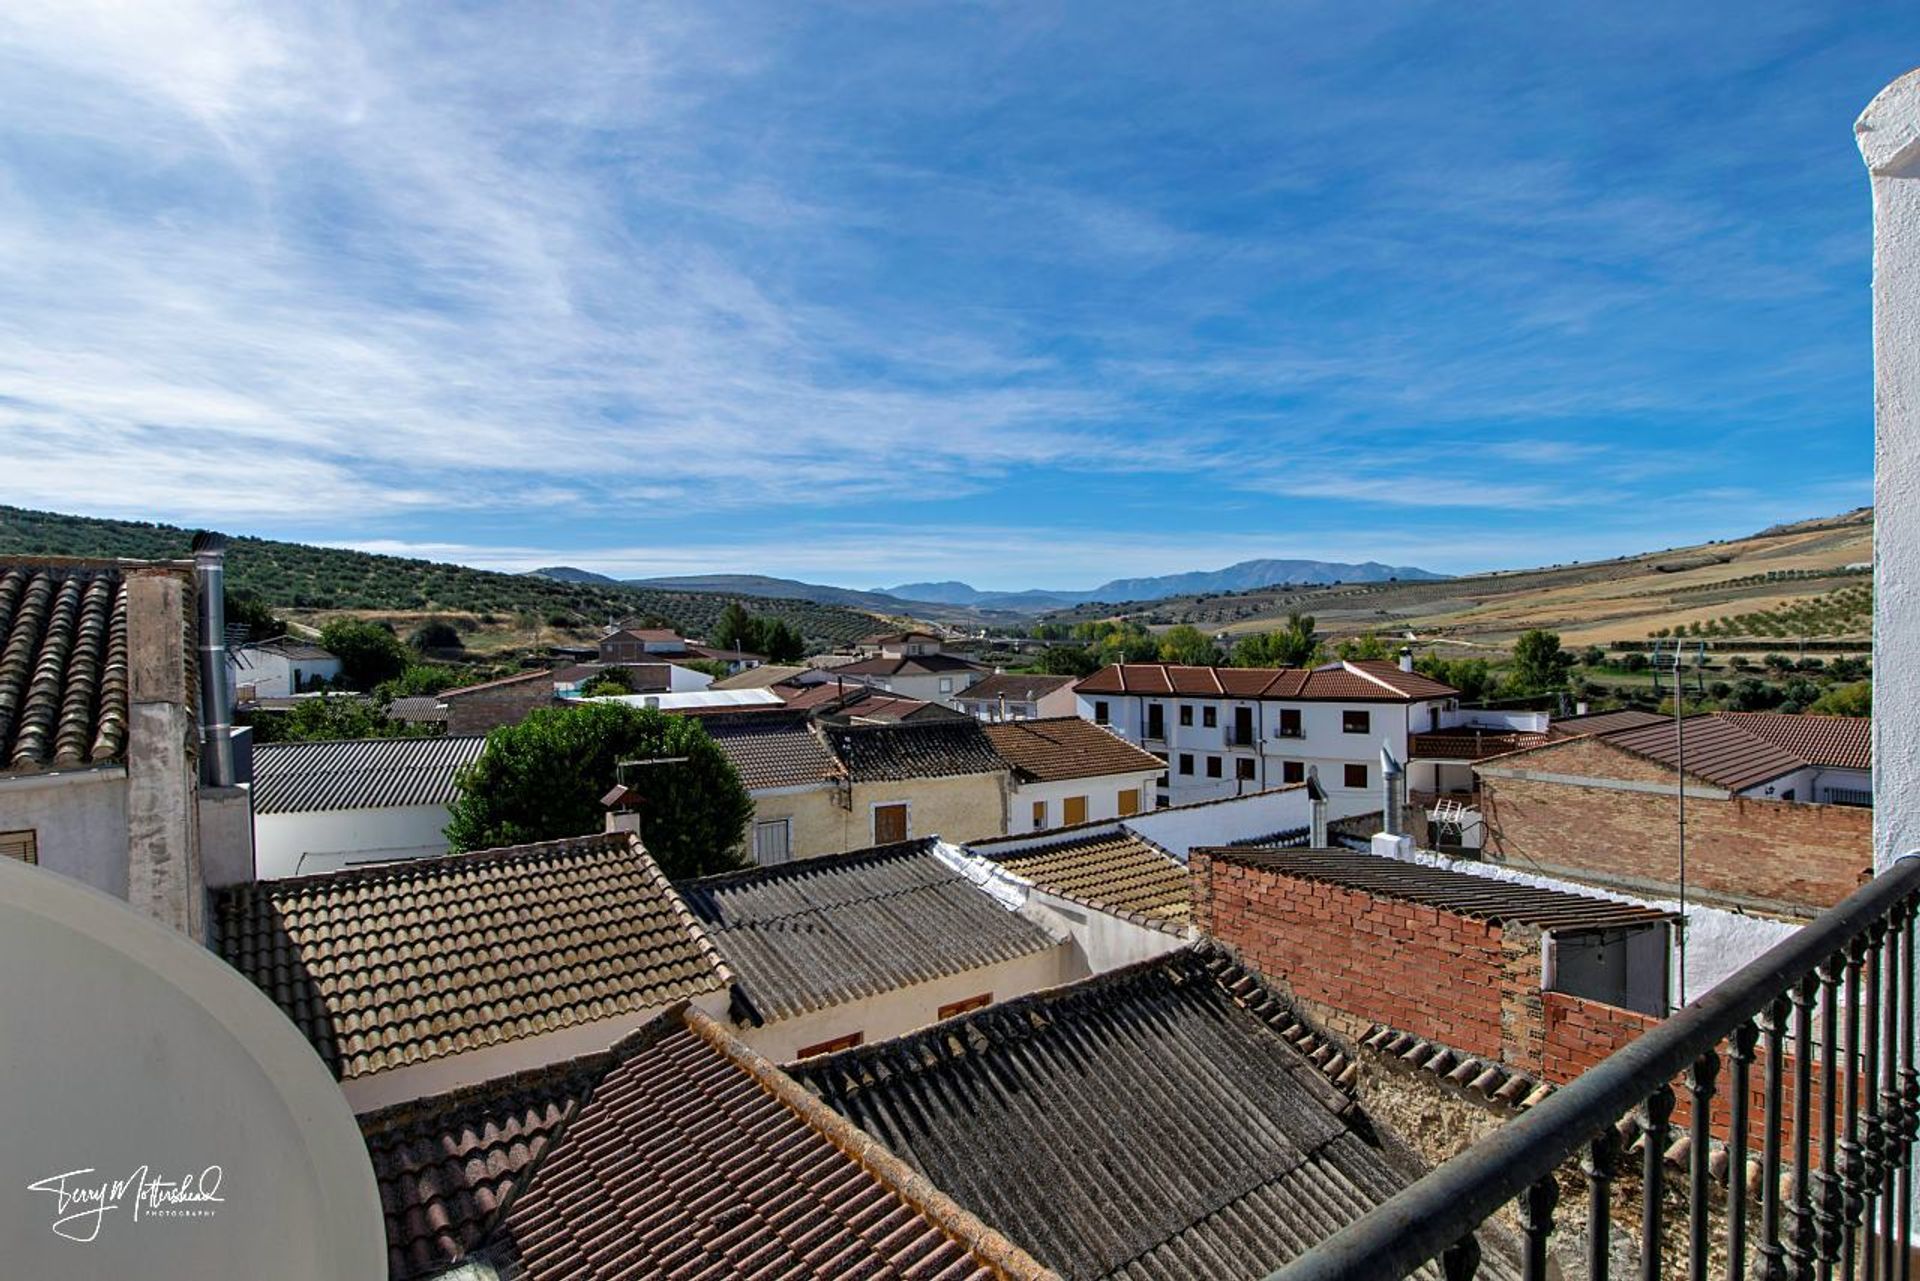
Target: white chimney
[(1406, 658), (1888, 132), (1580, 708)]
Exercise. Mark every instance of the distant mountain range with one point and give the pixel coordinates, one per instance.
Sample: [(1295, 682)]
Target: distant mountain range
[(1247, 575), (957, 598)]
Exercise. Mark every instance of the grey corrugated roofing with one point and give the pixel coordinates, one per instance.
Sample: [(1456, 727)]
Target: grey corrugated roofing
[(1462, 893), (1155, 1122), (417, 707), (63, 665), (823, 931), (913, 749), (359, 773), (772, 750)]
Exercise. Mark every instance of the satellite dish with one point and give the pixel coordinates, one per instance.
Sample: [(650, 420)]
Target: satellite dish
[(162, 1118)]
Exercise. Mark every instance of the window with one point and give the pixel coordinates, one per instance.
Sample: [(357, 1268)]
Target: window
[(946, 684), (834, 1046), (1289, 722), (1355, 722), (953, 1009), (1156, 720), (1356, 776), (1129, 801), (1243, 768), (889, 823), (1210, 716), (1213, 767), (1293, 771), (1186, 714), (1073, 810), (1100, 711), (24, 846), (1039, 814), (773, 841), (1186, 762)]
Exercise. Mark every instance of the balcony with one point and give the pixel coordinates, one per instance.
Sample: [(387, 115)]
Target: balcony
[(1829, 1193)]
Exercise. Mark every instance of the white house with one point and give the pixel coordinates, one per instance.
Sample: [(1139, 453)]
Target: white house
[(1018, 696), (319, 807), (280, 668), (912, 664), (1226, 730), (1068, 771)]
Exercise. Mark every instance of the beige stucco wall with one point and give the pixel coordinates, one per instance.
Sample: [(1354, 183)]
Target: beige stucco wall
[(906, 1009), (79, 821), (968, 807)]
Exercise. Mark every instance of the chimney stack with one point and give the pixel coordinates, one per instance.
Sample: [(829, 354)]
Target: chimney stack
[(1406, 658), (1393, 793), (1317, 796), (216, 682)]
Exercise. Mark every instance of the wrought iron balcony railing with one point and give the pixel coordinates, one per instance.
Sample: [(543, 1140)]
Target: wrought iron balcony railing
[(1832, 1194)]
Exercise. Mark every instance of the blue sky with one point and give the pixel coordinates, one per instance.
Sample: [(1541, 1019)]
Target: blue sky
[(1026, 294)]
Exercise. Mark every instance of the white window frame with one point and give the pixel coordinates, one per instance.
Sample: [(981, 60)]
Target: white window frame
[(786, 841)]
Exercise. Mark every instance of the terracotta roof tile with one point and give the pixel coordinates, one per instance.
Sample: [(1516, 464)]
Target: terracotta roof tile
[(386, 966), (1601, 723), (1117, 871), (1831, 742), (677, 1153), (1716, 749), (1017, 687), (63, 665), (1065, 747), (1348, 682)]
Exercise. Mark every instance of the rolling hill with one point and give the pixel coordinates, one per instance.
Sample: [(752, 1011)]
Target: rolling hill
[(1804, 579), (297, 577)]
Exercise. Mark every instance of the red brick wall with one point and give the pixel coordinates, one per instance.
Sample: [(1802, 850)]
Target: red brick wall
[(1765, 852), (1580, 1033), (1360, 959), (489, 709)]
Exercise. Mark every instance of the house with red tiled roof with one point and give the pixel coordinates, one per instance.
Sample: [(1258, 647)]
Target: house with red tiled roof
[(1223, 731), (1779, 814)]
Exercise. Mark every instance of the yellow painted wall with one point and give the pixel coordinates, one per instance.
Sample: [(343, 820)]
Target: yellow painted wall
[(966, 807)]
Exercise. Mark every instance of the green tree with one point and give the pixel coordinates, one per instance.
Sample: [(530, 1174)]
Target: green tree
[(368, 652), (334, 716), (1473, 677), (1187, 645), (421, 678), (737, 629), (249, 610), (1289, 646), (1539, 664), (1855, 699), (711, 666), (543, 778), (1068, 660), (781, 641), (437, 634), (1370, 646)]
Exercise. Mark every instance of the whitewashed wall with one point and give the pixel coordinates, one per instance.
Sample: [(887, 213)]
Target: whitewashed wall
[(335, 838)]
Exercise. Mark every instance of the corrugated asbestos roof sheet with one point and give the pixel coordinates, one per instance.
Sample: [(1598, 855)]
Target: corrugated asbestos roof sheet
[(1348, 682), (772, 750), (386, 966), (416, 707), (677, 1153), (63, 666), (1460, 893), (819, 932), (1154, 1122), (695, 1158), (1716, 749), (1831, 742), (1117, 871), (359, 773), (914, 749), (1058, 748)]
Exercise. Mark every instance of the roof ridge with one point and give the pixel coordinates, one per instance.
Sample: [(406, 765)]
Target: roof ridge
[(915, 1190), (596, 842), (779, 871)]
